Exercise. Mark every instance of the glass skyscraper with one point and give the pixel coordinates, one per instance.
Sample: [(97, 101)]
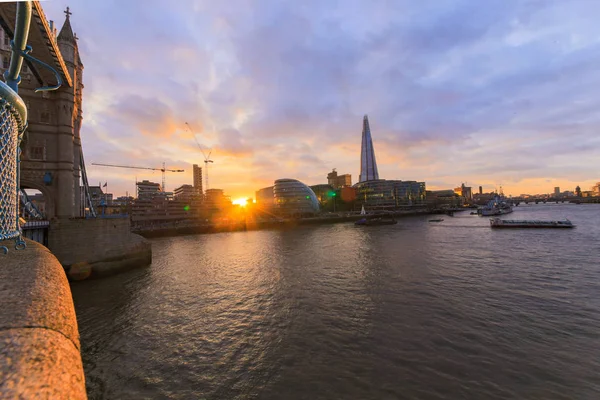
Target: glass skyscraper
[(368, 164), (378, 193)]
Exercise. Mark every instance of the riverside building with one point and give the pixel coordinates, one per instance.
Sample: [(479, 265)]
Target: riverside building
[(338, 181), (294, 198), (374, 193)]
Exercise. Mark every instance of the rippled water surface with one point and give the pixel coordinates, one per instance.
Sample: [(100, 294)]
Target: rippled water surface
[(414, 310)]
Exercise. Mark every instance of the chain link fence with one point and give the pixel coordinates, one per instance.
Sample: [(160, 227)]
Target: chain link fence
[(12, 125)]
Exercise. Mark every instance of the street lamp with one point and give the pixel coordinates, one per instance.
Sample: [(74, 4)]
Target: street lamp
[(333, 194)]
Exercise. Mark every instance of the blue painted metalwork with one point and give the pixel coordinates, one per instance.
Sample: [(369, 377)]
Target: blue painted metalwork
[(86, 187), (20, 51), (48, 178), (25, 54), (19, 45), (29, 206), (13, 122)]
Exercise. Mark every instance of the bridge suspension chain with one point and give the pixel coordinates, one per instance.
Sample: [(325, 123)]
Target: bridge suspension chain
[(86, 187)]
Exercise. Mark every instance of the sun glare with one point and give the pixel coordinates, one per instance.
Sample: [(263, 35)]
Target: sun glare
[(240, 202)]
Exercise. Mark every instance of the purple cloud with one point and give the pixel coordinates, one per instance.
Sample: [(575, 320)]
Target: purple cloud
[(455, 91)]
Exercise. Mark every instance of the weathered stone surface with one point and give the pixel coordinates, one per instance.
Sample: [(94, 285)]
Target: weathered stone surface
[(34, 292), (39, 364), (39, 339), (105, 245), (118, 265)]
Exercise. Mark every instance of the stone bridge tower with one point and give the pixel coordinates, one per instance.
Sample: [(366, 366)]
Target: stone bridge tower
[(52, 144)]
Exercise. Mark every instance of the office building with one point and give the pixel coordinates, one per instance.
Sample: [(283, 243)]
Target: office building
[(216, 199), (186, 192), (338, 181), (390, 194), (147, 189), (464, 192), (442, 198), (123, 201), (197, 178)]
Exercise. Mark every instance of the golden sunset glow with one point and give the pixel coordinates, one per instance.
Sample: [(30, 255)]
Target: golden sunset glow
[(242, 201), (261, 129)]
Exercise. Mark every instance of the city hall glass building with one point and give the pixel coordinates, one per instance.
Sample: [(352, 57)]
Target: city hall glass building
[(293, 197)]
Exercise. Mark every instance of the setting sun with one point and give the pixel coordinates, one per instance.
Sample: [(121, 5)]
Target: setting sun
[(242, 201)]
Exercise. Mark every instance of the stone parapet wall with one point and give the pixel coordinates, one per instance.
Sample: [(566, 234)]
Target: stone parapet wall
[(39, 338), (97, 247)]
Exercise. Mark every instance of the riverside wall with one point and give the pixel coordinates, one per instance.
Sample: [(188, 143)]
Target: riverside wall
[(91, 248), (200, 228), (39, 339)]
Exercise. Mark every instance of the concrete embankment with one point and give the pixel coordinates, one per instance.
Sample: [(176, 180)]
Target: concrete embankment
[(39, 340), (92, 248), (165, 231)]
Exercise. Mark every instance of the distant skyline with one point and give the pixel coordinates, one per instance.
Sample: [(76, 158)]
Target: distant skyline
[(502, 95)]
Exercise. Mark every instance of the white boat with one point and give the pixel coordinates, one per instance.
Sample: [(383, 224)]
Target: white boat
[(507, 223)]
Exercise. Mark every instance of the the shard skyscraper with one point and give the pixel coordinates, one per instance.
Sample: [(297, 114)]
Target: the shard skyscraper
[(368, 165)]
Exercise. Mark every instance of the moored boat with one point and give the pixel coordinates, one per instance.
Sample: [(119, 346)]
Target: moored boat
[(373, 220), (497, 206), (507, 223)]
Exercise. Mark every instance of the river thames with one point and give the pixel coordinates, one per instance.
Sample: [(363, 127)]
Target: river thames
[(415, 310)]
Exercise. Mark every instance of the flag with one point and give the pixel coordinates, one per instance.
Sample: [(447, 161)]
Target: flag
[(105, 184)]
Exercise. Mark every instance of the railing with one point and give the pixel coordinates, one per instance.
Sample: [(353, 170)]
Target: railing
[(13, 122), (109, 216), (35, 224), (36, 231)]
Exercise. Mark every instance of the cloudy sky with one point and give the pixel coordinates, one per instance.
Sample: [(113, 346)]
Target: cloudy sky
[(490, 93)]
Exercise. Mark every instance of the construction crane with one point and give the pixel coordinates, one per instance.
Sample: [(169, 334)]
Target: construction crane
[(163, 170), (206, 157)]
